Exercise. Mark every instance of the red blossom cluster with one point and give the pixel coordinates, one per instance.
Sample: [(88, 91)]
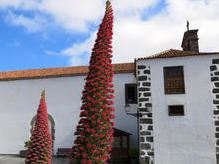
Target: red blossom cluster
[(40, 145), (95, 128)]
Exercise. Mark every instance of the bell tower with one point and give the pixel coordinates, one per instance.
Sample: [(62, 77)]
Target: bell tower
[(190, 40)]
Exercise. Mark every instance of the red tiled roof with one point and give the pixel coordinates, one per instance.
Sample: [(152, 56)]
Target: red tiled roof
[(176, 53), (59, 72)]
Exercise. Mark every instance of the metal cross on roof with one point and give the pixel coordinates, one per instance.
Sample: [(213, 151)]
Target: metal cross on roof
[(187, 25)]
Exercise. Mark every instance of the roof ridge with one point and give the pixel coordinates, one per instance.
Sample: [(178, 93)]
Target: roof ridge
[(68, 67), (59, 72), (170, 53), (162, 52)]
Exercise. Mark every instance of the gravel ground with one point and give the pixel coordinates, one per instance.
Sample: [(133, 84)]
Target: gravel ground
[(12, 159)]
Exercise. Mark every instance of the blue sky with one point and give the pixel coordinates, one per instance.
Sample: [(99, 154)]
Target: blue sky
[(21, 49), (49, 33)]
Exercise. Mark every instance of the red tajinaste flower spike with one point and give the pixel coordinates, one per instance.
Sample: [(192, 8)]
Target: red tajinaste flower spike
[(40, 147), (94, 135)]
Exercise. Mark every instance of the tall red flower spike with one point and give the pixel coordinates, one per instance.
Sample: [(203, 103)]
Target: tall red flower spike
[(40, 146), (94, 131)]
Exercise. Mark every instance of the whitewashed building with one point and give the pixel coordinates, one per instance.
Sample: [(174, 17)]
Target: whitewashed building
[(178, 101), (20, 96), (174, 94)]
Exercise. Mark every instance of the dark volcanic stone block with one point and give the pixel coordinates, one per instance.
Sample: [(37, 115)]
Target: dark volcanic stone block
[(216, 101), (149, 114), (147, 84), (142, 139), (145, 146), (150, 127), (143, 109), (150, 139), (216, 112), (147, 72), (141, 66), (146, 121), (144, 133), (147, 94), (151, 153), (143, 99), (145, 160), (217, 142), (142, 78), (142, 89), (216, 123), (216, 84), (215, 90), (142, 153), (213, 68), (148, 105), (214, 79), (215, 61), (140, 127)]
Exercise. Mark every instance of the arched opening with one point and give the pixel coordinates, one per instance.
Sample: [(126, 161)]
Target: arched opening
[(51, 126)]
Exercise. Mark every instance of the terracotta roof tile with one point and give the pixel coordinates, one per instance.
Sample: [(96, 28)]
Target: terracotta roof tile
[(176, 53), (59, 72)]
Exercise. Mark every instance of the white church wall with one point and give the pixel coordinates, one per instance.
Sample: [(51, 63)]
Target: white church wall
[(189, 138), (19, 100)]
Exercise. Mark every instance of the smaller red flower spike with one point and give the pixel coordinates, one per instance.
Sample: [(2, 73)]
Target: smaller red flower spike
[(40, 146)]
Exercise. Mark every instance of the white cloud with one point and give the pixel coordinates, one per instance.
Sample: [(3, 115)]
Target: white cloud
[(133, 37), (32, 25), (72, 15), (127, 5), (80, 52), (52, 52), (19, 4)]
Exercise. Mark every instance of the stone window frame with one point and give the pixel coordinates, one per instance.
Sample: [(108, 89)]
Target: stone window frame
[(50, 118), (126, 93), (167, 90)]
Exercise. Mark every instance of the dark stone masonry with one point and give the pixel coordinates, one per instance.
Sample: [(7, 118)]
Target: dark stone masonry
[(146, 121), (214, 68), (215, 79), (215, 61)]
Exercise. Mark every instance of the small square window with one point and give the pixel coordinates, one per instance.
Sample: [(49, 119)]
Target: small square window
[(176, 110), (130, 93)]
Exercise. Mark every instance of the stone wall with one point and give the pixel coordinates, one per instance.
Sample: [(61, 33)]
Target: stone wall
[(214, 68), (146, 120)]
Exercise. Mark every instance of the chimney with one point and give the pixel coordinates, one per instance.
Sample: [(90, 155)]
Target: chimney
[(190, 40)]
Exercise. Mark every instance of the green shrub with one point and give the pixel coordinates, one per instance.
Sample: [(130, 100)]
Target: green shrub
[(26, 144), (133, 152)]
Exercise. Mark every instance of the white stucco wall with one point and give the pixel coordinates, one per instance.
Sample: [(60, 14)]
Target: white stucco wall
[(19, 100), (185, 139)]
